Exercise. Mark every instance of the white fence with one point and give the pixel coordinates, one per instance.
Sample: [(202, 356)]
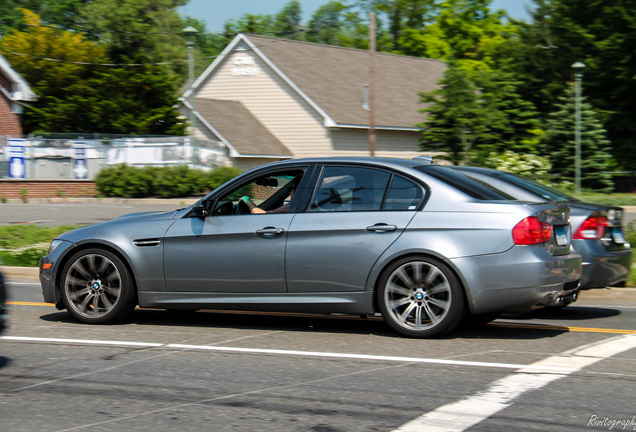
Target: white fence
[(51, 159)]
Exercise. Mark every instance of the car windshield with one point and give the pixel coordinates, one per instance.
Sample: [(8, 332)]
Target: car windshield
[(465, 184)]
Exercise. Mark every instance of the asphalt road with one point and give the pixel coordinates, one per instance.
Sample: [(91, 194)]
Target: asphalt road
[(82, 212), (551, 370)]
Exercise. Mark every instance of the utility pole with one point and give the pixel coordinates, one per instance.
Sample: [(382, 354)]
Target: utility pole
[(578, 75), (372, 84), (190, 33)]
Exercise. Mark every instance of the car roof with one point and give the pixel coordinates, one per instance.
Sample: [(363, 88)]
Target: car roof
[(369, 160)]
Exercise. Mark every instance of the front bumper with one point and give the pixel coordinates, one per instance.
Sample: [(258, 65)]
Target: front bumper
[(49, 266)]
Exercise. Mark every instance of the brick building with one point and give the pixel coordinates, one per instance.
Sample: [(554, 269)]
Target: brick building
[(14, 94)]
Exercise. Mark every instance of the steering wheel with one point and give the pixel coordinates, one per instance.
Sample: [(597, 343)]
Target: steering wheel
[(244, 206)]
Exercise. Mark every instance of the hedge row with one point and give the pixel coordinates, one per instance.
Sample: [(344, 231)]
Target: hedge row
[(165, 182)]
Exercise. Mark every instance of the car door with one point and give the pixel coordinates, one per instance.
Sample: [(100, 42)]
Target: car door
[(233, 251), (354, 215)]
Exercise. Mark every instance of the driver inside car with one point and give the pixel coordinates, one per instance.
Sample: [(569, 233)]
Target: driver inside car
[(283, 207), (254, 209)]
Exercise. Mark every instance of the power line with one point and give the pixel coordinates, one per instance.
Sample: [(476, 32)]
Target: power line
[(96, 64), (88, 30)]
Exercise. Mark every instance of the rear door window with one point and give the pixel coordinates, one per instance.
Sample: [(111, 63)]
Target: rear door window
[(342, 188), (403, 194)]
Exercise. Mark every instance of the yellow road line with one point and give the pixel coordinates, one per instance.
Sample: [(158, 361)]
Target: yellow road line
[(562, 328), (493, 324), (19, 303)]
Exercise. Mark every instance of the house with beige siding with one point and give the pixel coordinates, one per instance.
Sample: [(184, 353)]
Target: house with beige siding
[(266, 99)]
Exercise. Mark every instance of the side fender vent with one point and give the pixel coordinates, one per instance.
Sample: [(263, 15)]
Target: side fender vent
[(147, 242)]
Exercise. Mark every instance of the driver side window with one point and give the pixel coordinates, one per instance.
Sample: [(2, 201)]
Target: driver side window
[(270, 192)]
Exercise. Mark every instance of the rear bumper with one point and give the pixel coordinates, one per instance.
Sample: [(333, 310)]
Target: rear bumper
[(524, 276), (601, 267)]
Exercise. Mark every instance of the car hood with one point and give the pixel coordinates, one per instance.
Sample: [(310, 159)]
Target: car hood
[(151, 223)]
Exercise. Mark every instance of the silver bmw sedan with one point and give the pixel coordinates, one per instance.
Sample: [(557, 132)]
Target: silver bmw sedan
[(421, 244)]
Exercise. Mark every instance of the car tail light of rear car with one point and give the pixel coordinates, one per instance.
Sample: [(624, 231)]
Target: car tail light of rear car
[(592, 228), (531, 231)]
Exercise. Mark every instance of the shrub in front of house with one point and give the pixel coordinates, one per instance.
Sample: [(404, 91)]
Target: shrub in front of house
[(165, 182)]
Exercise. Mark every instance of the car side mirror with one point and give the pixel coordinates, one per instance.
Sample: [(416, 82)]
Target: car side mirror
[(199, 210)]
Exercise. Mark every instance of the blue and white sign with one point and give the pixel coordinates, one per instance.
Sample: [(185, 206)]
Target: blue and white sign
[(17, 159), (80, 167)]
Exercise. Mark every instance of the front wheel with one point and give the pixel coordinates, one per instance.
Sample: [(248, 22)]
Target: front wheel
[(420, 297), (97, 287)]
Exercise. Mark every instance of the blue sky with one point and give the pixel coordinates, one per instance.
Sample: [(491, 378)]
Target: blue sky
[(215, 12)]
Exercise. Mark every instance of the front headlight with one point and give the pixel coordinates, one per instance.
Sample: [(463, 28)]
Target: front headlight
[(54, 244)]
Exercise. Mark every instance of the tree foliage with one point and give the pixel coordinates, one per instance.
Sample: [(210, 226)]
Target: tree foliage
[(559, 142), (508, 74), (476, 113), (601, 35), (77, 93)]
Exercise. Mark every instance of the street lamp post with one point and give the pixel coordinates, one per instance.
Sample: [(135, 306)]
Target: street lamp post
[(190, 33), (578, 68)]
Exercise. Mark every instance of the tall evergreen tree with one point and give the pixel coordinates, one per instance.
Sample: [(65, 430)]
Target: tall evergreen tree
[(288, 22), (476, 113), (559, 144)]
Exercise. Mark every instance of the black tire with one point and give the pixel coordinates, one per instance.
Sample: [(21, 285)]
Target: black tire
[(97, 288), (420, 297)]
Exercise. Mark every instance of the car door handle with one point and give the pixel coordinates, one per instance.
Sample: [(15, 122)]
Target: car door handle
[(269, 231), (381, 227)]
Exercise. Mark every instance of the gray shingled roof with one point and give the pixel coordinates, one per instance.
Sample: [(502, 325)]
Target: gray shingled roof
[(240, 128), (333, 77)]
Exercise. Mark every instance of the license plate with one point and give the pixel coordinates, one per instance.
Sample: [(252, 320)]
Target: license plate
[(561, 236), (617, 235)]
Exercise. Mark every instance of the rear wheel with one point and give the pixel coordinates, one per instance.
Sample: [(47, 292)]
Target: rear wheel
[(420, 297), (97, 287)]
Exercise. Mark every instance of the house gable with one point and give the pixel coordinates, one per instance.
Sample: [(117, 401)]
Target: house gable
[(307, 96)]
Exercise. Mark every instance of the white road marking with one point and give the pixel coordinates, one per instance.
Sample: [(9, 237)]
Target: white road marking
[(563, 369), (82, 341), (461, 415)]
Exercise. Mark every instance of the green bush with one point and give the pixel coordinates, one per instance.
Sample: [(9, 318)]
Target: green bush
[(124, 181), (220, 175), (177, 181), (166, 182)]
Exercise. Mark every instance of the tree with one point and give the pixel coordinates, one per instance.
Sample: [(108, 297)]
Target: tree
[(325, 24), (144, 31), (598, 34), (457, 117), (463, 30), (288, 21), (57, 13), (476, 113), (402, 15), (559, 144), (78, 93)]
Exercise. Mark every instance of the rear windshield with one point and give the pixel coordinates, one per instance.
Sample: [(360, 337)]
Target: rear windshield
[(468, 185), (538, 188)]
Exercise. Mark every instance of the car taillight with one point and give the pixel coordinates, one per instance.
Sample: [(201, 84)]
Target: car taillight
[(531, 231), (592, 228)]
